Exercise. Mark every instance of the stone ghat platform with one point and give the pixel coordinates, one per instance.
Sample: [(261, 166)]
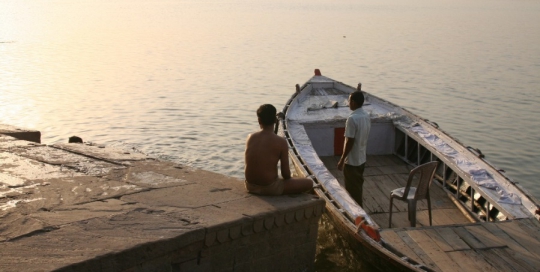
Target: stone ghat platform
[(80, 207)]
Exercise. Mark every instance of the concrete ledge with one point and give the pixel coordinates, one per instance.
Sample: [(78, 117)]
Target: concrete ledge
[(21, 133), (77, 207)]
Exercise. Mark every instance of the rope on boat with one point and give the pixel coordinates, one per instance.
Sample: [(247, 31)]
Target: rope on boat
[(434, 124), (477, 151)]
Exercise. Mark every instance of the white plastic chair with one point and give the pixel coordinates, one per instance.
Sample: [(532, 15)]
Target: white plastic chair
[(412, 194)]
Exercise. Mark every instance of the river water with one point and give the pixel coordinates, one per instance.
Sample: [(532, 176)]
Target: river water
[(181, 79)]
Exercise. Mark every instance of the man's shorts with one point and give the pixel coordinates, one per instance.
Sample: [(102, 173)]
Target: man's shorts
[(275, 188)]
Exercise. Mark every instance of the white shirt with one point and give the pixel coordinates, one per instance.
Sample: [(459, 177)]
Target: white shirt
[(357, 126)]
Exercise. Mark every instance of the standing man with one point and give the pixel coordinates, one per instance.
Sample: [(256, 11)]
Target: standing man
[(353, 159), (264, 149)]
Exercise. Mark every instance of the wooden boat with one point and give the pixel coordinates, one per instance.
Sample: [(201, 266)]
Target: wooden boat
[(482, 219)]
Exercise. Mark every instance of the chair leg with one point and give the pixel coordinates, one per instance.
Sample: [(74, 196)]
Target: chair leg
[(390, 219), (412, 212), (429, 210)]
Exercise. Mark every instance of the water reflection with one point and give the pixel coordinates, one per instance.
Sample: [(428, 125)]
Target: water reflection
[(334, 252), (181, 80)]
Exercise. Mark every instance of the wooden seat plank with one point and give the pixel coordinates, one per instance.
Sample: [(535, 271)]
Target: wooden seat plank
[(484, 236), (469, 238), (532, 263), (452, 238), (530, 256), (436, 237), (512, 259), (392, 238), (435, 253), (516, 232), (424, 257), (494, 257), (530, 226), (516, 240), (470, 260)]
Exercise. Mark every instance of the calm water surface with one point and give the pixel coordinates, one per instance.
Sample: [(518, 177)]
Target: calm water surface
[(181, 79)]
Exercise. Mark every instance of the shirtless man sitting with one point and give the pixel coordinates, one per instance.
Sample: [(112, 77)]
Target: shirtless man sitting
[(264, 149)]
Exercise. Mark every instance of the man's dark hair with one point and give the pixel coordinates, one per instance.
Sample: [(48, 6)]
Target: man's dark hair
[(358, 98), (267, 114)]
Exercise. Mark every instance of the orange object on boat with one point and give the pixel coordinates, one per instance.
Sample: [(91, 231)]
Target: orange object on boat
[(360, 223)]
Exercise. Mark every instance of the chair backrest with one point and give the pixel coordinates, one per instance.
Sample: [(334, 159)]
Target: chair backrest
[(426, 171)]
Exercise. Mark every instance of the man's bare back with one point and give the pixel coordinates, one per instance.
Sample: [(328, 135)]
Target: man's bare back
[(264, 149)]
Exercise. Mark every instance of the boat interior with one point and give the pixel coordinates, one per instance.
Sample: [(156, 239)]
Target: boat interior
[(472, 238), (392, 153), (384, 173), (471, 230)]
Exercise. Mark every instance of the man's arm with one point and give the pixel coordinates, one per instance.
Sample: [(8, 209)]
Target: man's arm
[(349, 142), (246, 150), (284, 160)]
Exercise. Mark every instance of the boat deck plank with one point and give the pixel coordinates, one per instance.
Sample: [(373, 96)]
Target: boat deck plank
[(530, 255), (484, 236), (495, 246), (531, 227), (371, 199), (470, 261), (386, 185), (418, 251), (392, 238), (385, 173), (510, 257), (433, 250), (528, 242), (439, 240), (497, 260), (453, 242)]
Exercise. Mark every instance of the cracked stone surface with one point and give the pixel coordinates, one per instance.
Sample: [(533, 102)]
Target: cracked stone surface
[(69, 204)]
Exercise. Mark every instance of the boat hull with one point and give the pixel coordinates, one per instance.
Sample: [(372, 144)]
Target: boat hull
[(372, 254), (315, 116)]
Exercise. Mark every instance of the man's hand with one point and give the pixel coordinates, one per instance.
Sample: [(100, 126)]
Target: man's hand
[(340, 164), (349, 142)]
